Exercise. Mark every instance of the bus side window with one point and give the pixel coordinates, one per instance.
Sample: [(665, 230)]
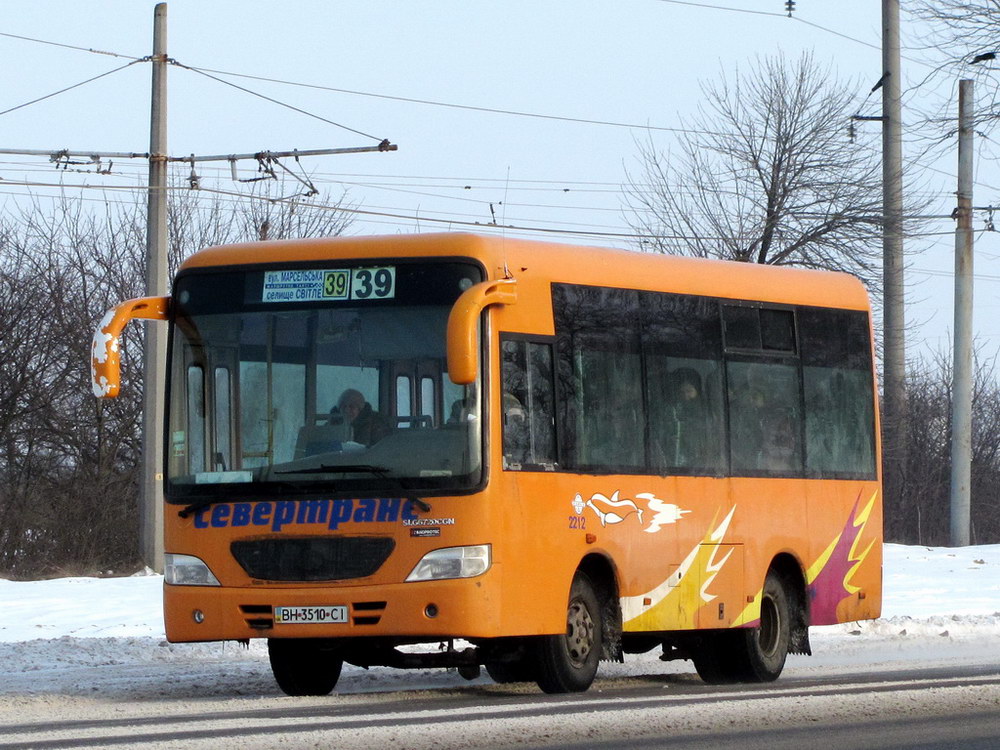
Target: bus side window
[(764, 391), (837, 381), (527, 404)]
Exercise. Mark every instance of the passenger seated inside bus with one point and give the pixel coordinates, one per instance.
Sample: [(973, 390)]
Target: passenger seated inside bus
[(367, 426), (764, 437), (516, 439), (692, 431)]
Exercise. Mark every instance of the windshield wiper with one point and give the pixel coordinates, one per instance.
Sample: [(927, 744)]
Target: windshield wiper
[(339, 469), (380, 471)]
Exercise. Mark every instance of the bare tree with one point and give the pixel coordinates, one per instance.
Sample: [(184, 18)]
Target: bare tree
[(68, 462), (919, 513), (960, 40), (961, 33), (765, 173)]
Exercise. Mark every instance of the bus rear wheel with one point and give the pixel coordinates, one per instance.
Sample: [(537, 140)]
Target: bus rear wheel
[(504, 672), (751, 654), (304, 666), (567, 663)]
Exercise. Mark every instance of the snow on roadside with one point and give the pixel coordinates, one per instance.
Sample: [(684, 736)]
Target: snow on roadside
[(81, 607), (922, 582), (941, 593)]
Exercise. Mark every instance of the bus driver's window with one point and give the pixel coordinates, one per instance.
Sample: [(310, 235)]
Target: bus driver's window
[(527, 405)]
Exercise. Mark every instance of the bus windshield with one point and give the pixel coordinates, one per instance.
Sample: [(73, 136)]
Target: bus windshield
[(329, 379)]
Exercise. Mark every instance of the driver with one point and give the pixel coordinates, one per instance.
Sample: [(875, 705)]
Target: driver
[(367, 425)]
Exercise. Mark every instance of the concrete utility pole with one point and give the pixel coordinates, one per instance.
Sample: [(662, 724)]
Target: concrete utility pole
[(157, 271), (894, 430), (961, 396), (155, 343)]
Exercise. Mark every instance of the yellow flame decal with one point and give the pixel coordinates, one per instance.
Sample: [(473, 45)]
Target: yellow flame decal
[(813, 571), (676, 600), (860, 523)]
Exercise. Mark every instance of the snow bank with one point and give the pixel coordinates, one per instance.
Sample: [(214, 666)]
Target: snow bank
[(927, 590), (938, 602)]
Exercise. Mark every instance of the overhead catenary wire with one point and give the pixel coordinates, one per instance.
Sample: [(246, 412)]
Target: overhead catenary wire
[(213, 74), (313, 178), (400, 215), (205, 71), (276, 101)]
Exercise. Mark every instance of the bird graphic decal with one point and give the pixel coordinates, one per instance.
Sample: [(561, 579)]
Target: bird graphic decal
[(613, 516), (616, 509)]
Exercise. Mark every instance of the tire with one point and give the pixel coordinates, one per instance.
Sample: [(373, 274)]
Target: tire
[(714, 658), (519, 670), (750, 654), (765, 648), (304, 666), (567, 663)]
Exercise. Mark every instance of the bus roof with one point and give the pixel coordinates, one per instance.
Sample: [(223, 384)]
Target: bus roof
[(574, 264)]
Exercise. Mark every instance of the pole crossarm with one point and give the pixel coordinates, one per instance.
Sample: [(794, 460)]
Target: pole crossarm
[(55, 155), (60, 154)]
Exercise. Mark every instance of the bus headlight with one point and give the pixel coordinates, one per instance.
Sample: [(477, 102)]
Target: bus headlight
[(186, 570), (452, 562)]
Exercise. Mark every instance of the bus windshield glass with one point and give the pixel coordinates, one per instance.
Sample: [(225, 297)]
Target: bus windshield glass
[(328, 378)]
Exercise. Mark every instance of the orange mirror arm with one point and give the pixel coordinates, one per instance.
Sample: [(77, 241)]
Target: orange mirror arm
[(463, 323), (105, 352)]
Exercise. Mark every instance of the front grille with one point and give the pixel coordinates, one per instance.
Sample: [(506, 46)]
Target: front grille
[(312, 558)]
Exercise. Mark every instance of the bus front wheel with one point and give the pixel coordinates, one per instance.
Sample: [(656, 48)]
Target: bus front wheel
[(304, 666), (567, 663)]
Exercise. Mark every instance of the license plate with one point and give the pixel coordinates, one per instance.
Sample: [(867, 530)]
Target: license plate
[(310, 615)]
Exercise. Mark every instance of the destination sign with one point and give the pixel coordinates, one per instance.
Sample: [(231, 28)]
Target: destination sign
[(329, 285)]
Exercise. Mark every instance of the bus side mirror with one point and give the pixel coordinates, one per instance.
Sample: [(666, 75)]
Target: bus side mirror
[(464, 321), (105, 356)]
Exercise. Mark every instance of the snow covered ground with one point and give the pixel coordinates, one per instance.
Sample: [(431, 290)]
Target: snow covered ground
[(939, 603)]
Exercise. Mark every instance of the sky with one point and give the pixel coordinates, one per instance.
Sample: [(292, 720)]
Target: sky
[(442, 79)]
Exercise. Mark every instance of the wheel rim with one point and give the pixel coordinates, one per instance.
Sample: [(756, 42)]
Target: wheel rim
[(579, 633), (770, 626)]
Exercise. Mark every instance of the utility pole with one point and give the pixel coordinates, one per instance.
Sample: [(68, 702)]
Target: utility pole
[(155, 341), (157, 271), (894, 428), (961, 396)]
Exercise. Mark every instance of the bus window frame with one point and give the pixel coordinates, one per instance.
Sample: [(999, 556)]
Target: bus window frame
[(160, 308), (728, 354), (550, 341), (764, 356)]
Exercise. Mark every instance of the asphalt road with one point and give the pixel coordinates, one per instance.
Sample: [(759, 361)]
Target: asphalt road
[(169, 706)]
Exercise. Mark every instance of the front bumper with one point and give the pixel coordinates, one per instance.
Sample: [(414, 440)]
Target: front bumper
[(457, 608)]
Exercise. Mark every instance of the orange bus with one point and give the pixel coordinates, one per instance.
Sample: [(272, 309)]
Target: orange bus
[(533, 456)]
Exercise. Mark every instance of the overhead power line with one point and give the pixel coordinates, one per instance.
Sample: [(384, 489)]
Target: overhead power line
[(274, 101), (797, 18), (451, 105), (74, 86), (724, 7), (69, 46), (353, 92)]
